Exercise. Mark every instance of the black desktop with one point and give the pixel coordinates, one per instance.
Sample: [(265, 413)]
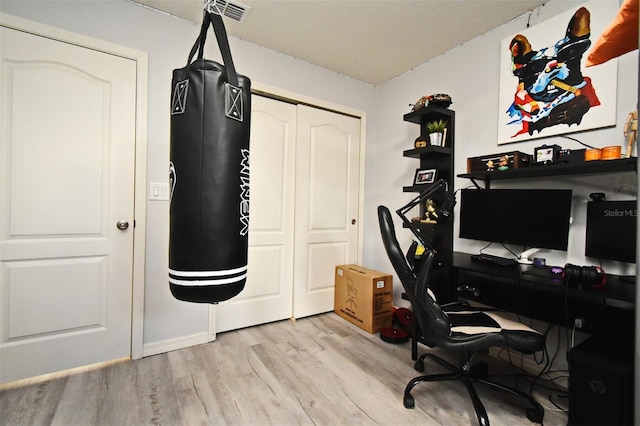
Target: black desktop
[(601, 383)]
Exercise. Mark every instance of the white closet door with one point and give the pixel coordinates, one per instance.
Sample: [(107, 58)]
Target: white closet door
[(268, 292), (305, 168), (327, 189), (67, 143)]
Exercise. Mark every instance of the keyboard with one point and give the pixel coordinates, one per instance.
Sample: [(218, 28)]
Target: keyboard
[(494, 260)]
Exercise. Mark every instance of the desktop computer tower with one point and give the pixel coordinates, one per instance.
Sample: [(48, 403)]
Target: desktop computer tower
[(601, 383)]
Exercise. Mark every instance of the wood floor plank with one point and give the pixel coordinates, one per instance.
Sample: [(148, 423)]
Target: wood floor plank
[(328, 384), (156, 393), (242, 338), (183, 363), (34, 404), (197, 402), (129, 385), (245, 387), (301, 381), (211, 360), (333, 324), (81, 399)]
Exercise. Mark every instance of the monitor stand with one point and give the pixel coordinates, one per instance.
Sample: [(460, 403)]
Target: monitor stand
[(525, 256)]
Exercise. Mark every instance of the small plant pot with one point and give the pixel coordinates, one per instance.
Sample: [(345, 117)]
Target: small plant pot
[(435, 139)]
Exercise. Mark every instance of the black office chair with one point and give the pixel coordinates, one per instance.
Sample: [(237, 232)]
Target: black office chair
[(465, 331)]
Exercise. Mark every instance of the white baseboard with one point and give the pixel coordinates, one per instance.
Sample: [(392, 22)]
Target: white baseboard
[(174, 344)]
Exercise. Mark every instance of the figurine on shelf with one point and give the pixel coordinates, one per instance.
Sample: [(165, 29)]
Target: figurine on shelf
[(430, 214), (420, 142), (631, 132), (503, 164), (440, 99)]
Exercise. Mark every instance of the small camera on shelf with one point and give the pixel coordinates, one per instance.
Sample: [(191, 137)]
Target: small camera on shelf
[(546, 154)]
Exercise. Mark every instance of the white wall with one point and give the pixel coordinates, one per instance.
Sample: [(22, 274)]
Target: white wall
[(167, 40), (470, 74)]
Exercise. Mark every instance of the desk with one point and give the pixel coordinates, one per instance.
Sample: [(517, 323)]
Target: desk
[(535, 293)]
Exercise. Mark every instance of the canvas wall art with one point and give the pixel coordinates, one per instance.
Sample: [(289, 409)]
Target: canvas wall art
[(545, 88)]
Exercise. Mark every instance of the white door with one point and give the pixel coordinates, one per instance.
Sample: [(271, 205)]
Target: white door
[(67, 141), (268, 292), (327, 188), (305, 168)]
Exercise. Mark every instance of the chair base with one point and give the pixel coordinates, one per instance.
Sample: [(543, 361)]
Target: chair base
[(468, 374)]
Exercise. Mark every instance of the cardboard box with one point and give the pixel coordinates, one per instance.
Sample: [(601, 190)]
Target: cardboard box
[(364, 297), (498, 162)]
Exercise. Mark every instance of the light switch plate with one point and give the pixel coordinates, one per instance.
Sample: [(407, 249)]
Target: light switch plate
[(159, 191)]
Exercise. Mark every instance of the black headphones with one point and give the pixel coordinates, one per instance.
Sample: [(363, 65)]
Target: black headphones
[(578, 276)]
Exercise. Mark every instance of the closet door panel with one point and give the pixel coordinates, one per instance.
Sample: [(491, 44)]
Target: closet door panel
[(327, 189), (268, 293)]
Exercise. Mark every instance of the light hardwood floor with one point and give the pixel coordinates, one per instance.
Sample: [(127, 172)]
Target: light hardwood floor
[(319, 370)]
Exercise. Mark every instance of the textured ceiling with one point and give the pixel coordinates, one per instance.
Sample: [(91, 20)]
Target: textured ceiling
[(369, 40)]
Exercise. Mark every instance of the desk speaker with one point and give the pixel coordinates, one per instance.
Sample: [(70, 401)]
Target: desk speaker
[(601, 383)]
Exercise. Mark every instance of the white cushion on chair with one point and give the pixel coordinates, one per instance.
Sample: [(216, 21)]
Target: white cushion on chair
[(490, 322)]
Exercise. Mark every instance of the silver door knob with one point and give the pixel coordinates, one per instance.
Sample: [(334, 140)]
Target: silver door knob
[(122, 225)]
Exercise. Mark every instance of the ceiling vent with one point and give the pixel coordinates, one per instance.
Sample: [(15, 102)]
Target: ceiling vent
[(229, 8)]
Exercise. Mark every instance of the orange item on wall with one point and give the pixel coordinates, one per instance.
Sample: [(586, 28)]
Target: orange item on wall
[(620, 37)]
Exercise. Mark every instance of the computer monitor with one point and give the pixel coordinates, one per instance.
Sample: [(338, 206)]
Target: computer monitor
[(611, 230), (534, 218)]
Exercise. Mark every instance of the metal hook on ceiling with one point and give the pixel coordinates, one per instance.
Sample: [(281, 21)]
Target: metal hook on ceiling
[(212, 6)]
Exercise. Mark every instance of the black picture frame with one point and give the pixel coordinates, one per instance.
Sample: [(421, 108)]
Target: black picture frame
[(424, 176)]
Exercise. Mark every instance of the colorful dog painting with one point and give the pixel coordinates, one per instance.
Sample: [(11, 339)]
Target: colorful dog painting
[(550, 93)]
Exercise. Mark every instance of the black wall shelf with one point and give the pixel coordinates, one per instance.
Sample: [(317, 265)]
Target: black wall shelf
[(431, 111), (428, 151), (439, 158), (575, 168), (414, 188)]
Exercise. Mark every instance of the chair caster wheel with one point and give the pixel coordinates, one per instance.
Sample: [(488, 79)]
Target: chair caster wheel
[(419, 366), (535, 415), (409, 402)]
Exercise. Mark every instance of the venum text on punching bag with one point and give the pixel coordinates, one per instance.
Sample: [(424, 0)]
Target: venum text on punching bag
[(244, 194)]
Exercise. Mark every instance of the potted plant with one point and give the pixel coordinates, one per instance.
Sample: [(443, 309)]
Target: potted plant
[(436, 130)]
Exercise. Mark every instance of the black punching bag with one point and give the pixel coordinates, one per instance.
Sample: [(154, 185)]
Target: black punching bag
[(209, 175)]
